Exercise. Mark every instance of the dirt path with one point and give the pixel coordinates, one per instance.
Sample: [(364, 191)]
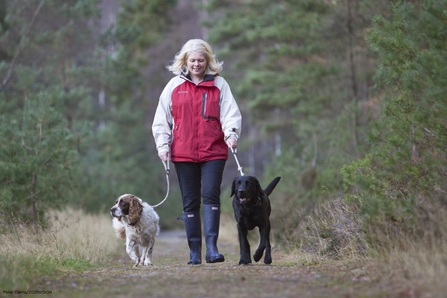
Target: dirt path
[(171, 277)]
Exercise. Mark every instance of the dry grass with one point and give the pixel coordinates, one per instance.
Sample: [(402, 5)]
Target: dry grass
[(415, 263), (330, 238), (74, 241), (419, 261), (72, 234), (422, 271), (332, 231)]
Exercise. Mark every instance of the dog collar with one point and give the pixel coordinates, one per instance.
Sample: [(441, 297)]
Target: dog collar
[(259, 202)]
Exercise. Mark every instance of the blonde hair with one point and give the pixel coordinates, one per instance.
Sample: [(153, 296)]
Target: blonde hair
[(178, 66)]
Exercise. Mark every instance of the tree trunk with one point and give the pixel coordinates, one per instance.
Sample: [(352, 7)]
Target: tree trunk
[(33, 197), (351, 63)]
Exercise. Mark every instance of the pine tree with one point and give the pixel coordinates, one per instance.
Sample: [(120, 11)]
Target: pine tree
[(405, 173), (303, 70), (122, 157), (73, 119), (43, 84)]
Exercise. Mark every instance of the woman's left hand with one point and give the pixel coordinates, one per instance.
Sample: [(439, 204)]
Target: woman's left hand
[(231, 142)]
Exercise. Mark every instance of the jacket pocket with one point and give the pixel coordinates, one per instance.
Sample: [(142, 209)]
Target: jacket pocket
[(210, 107)]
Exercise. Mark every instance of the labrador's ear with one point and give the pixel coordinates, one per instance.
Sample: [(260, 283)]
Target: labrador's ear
[(135, 208), (233, 187), (259, 190)]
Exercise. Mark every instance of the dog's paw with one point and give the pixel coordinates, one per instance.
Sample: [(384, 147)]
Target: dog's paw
[(137, 262), (244, 262), (258, 255), (267, 260), (147, 263)]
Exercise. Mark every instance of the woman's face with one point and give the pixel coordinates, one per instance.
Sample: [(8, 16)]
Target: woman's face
[(196, 64)]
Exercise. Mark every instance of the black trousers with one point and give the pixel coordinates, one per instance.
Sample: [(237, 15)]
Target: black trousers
[(200, 180)]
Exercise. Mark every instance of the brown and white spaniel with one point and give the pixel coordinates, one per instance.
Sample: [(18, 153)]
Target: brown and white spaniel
[(136, 222)]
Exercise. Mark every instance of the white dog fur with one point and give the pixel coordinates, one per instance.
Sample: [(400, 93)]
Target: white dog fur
[(136, 222)]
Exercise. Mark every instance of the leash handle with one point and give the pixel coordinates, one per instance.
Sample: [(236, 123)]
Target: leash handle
[(166, 165), (239, 168)]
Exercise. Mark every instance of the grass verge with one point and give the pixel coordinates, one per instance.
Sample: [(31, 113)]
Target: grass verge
[(75, 241), (414, 262)]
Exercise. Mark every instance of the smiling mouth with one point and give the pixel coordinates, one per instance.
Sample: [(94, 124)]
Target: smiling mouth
[(242, 200)]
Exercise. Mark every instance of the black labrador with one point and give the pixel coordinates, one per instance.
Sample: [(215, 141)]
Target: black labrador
[(252, 209)]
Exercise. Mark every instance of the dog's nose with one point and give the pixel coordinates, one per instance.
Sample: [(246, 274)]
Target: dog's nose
[(112, 210)]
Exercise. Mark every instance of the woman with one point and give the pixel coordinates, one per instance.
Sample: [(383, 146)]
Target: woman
[(196, 120)]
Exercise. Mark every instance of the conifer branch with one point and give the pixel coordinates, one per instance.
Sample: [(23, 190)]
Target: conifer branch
[(19, 47)]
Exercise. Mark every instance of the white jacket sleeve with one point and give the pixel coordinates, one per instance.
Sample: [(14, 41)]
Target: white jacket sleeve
[(163, 122), (230, 116)]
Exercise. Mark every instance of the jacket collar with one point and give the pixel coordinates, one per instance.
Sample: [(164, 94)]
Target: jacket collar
[(208, 80)]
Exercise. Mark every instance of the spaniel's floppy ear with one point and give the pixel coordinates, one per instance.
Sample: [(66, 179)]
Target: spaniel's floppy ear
[(135, 208)]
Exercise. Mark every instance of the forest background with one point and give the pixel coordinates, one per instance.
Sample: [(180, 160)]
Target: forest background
[(344, 99)]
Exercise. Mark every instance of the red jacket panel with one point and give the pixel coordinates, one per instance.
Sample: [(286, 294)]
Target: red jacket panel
[(197, 134)]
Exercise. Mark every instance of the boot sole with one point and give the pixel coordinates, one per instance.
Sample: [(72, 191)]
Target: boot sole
[(194, 263), (217, 260)]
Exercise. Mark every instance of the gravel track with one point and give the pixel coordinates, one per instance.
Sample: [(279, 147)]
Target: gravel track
[(170, 276)]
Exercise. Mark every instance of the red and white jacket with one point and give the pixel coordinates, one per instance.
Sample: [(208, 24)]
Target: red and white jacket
[(193, 121)]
